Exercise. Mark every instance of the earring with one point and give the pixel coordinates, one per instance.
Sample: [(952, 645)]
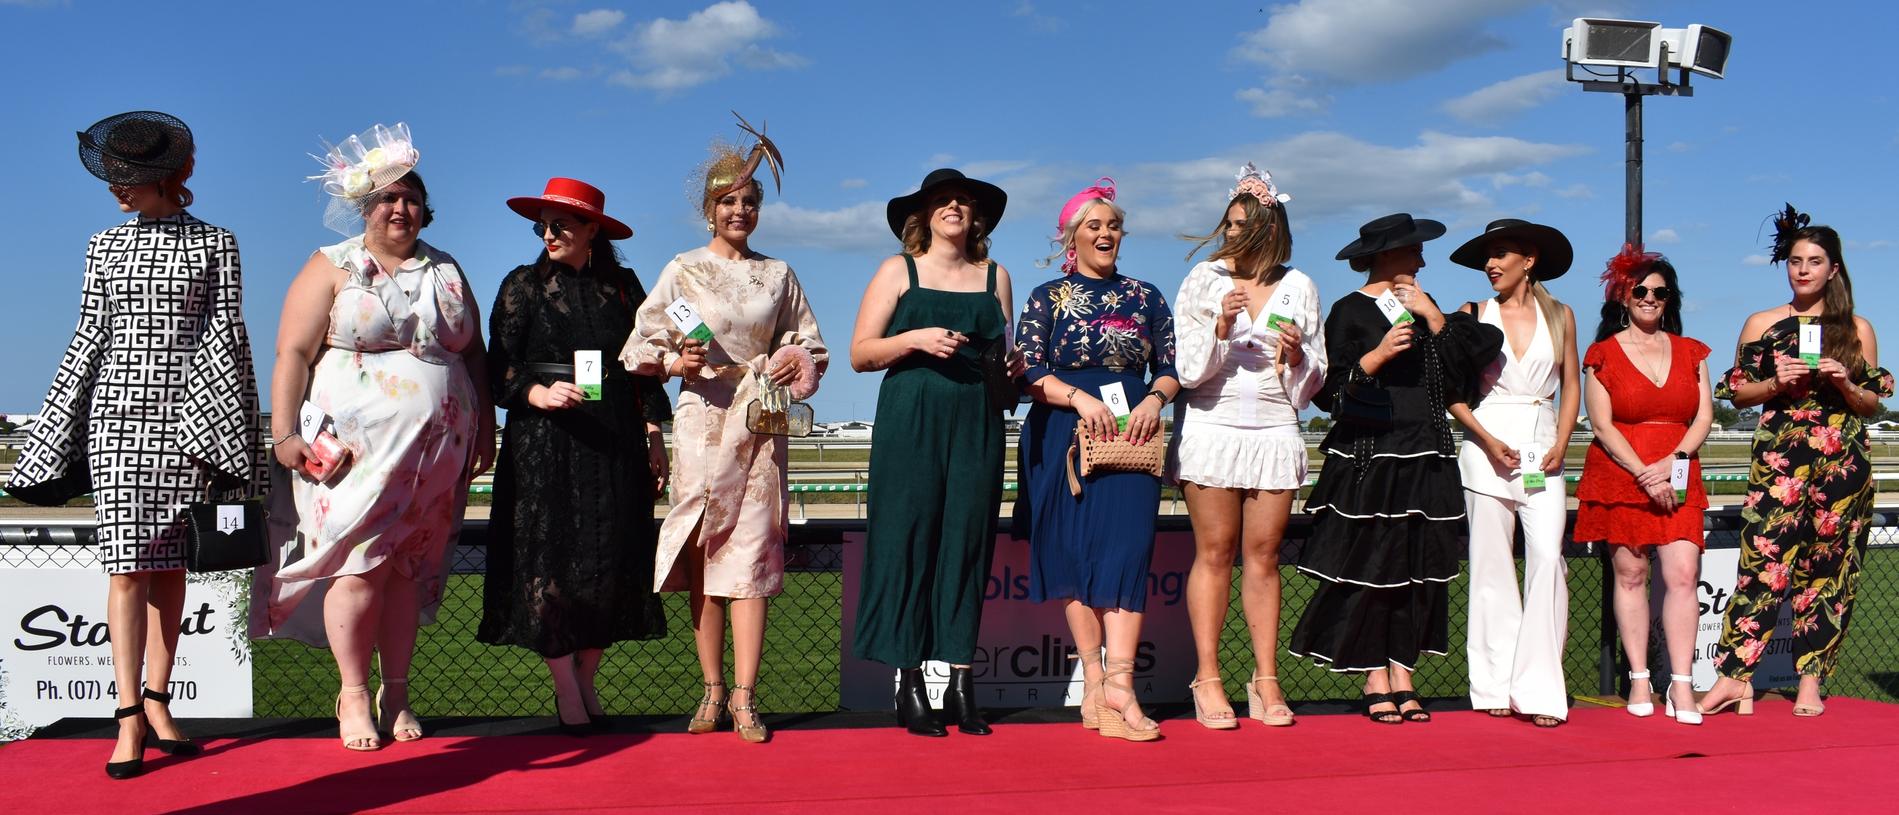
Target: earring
[(708, 226), (1625, 317)]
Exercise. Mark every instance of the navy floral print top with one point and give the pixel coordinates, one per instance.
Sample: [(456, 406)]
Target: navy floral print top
[(1078, 321)]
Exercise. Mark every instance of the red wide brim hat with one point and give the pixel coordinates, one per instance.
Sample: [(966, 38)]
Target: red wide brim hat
[(574, 197)]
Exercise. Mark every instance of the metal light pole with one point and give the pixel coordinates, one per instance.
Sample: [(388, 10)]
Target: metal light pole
[(1625, 82)]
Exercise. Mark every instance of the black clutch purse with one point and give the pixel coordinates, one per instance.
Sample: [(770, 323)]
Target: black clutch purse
[(1365, 406), (1003, 394), (225, 537)]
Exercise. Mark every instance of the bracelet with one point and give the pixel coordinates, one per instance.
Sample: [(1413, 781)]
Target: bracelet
[(1156, 392), (275, 442), (1070, 398)]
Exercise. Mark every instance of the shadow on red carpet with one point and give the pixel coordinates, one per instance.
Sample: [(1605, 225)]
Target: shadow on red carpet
[(1602, 761)]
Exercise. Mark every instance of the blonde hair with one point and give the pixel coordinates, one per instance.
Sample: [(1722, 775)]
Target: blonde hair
[(1066, 240), (1552, 314)]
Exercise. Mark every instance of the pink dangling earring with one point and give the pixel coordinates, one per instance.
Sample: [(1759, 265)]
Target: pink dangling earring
[(1068, 264)]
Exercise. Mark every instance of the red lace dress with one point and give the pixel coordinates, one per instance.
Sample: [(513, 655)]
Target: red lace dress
[(1610, 506)]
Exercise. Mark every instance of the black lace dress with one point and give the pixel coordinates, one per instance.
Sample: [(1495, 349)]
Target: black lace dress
[(1388, 507), (572, 535)]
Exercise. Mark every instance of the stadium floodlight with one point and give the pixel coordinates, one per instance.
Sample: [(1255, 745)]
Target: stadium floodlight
[(1699, 48), (1605, 56), (1613, 43)]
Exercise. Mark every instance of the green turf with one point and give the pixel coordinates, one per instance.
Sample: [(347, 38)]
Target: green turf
[(454, 675)]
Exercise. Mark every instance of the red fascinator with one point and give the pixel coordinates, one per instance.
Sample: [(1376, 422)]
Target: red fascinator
[(1626, 269)]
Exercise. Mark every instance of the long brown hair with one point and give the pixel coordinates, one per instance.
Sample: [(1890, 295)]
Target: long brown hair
[(916, 235), (1267, 235), (1839, 331)]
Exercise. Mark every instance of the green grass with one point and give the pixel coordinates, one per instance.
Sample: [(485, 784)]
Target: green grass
[(456, 676)]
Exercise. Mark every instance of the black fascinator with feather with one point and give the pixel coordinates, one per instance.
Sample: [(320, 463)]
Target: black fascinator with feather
[(1787, 225)]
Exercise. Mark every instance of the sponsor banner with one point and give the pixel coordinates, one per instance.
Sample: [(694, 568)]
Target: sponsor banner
[(57, 655), (1719, 567), (1024, 656)]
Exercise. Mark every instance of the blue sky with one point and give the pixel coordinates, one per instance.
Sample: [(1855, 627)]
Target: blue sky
[(1452, 109)]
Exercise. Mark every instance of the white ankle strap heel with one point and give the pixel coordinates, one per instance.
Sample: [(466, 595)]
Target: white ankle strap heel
[(1646, 708), (1687, 715)]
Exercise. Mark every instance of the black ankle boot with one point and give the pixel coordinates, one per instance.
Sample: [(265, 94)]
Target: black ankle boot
[(959, 703), (913, 705)]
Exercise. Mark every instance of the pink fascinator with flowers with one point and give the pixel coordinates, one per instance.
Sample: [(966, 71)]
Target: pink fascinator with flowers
[(1627, 267), (1101, 190), (1258, 183)]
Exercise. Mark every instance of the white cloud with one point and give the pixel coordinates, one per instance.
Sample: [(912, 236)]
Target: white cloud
[(562, 74), (1680, 146), (1329, 175), (513, 70), (1285, 95), (1756, 260), (1664, 237), (1358, 41), (1576, 191), (671, 55), (856, 228), (941, 160), (1873, 244), (853, 184), (598, 21), (1497, 102), (1041, 22)]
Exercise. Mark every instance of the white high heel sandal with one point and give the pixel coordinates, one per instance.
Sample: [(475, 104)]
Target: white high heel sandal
[(1687, 715), (1642, 710)]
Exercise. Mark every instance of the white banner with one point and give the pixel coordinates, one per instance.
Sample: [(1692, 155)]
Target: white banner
[(57, 655), (1719, 567), (1023, 654)]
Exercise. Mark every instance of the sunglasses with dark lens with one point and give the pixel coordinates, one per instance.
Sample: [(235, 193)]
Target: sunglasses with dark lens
[(559, 228), (1662, 293)]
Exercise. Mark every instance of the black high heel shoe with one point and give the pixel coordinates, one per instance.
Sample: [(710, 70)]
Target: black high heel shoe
[(959, 704), (130, 768), (913, 705), (183, 748), (580, 730)]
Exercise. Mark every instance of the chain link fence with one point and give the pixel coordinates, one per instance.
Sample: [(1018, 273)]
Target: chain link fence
[(454, 675)]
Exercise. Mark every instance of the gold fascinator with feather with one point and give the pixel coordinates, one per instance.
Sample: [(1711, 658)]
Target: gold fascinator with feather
[(731, 166)]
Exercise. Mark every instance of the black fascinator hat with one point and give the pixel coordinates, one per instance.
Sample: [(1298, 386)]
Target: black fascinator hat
[(139, 147)]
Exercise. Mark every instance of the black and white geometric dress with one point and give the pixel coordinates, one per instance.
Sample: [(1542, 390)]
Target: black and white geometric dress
[(155, 403)]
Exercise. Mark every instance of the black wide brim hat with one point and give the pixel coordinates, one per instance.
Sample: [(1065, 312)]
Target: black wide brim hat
[(139, 147), (1553, 252), (1391, 232), (990, 199)]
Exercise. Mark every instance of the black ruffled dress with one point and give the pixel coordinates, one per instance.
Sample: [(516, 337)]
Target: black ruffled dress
[(1388, 508)]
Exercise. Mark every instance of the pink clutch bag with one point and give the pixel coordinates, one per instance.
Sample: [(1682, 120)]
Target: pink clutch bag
[(327, 456)]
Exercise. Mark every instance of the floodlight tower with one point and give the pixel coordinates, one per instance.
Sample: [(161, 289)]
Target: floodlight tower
[(1626, 46)]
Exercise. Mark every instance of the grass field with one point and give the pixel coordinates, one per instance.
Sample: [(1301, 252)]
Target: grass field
[(454, 675)]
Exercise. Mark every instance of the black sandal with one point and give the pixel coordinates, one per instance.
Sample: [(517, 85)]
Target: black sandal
[(1404, 697), (170, 747), (1381, 716)]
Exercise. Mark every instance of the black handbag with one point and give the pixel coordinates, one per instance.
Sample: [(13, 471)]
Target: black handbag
[(225, 536), (1365, 406), (996, 381)]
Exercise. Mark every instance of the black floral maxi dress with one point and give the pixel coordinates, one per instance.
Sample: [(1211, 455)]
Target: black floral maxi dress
[(1806, 516), (572, 537)]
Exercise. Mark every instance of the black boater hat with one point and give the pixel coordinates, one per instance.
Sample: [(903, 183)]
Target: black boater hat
[(1390, 232), (990, 199), (1553, 252), (140, 147)]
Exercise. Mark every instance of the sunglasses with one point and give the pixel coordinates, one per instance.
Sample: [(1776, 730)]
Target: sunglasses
[(556, 228), (1662, 293)]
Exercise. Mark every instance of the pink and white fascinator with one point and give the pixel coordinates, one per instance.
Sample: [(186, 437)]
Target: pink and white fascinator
[(359, 166), (1259, 184), (1101, 190)]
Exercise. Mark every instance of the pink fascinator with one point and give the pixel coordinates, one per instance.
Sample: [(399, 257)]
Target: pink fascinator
[(1102, 190), (1259, 184)]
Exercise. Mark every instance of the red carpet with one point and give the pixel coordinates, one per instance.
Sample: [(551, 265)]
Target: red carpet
[(1603, 761)]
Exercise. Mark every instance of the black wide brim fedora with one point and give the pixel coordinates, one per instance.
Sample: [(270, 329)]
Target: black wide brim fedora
[(990, 199), (1553, 252), (136, 147), (1391, 232)]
